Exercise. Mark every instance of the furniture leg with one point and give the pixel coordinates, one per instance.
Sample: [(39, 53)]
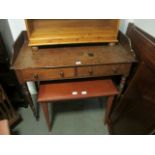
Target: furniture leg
[(37, 83), (108, 109), (37, 111), (122, 84), (53, 113), (46, 114), (28, 98)]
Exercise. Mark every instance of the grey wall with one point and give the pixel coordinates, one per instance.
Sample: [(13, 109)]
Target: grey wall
[(6, 35), (147, 25)]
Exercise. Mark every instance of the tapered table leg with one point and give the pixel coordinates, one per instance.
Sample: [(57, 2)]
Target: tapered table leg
[(46, 114), (122, 84), (108, 109), (28, 98)]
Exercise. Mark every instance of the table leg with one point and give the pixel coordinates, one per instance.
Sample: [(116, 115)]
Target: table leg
[(122, 84), (108, 109), (28, 98), (37, 83), (25, 91), (46, 114)]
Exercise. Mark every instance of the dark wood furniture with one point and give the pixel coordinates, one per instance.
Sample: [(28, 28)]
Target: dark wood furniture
[(71, 31), (76, 90), (8, 78), (70, 62), (7, 111), (135, 114)]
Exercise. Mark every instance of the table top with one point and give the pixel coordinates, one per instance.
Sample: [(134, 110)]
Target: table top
[(54, 57)]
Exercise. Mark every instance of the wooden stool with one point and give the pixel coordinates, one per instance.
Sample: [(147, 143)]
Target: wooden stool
[(76, 90)]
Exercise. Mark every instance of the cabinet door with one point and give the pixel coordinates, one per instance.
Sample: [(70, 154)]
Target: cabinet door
[(135, 113)]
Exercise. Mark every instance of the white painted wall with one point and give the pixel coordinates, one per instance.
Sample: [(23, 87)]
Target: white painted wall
[(17, 25), (6, 35), (147, 25), (124, 24)]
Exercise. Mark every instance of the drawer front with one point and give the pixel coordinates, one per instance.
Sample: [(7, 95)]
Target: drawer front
[(104, 70), (47, 74)]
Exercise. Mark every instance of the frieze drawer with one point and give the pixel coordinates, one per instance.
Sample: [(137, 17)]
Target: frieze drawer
[(104, 70), (47, 74)]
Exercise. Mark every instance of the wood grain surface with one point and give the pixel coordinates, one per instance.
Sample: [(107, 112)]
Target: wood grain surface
[(68, 31), (68, 56), (76, 90)]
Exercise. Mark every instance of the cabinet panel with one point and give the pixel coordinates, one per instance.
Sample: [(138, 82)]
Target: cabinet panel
[(136, 111)]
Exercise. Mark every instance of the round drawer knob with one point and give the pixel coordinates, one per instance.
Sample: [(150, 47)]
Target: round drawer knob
[(91, 54), (35, 76), (114, 70), (61, 74), (90, 72)]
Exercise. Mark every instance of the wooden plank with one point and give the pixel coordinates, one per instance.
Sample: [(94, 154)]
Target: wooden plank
[(139, 38), (76, 90)]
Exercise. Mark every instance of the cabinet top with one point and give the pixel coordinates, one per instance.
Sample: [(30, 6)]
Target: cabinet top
[(68, 56)]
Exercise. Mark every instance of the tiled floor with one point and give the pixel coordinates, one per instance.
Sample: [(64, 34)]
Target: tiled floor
[(81, 117)]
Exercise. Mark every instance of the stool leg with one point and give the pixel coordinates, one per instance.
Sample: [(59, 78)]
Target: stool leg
[(46, 114), (108, 109)]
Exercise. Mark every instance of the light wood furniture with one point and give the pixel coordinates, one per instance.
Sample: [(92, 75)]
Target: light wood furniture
[(76, 90), (71, 62), (71, 31)]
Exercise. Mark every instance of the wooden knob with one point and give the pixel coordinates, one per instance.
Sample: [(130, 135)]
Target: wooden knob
[(91, 54), (114, 70), (90, 72), (36, 77), (61, 74)]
